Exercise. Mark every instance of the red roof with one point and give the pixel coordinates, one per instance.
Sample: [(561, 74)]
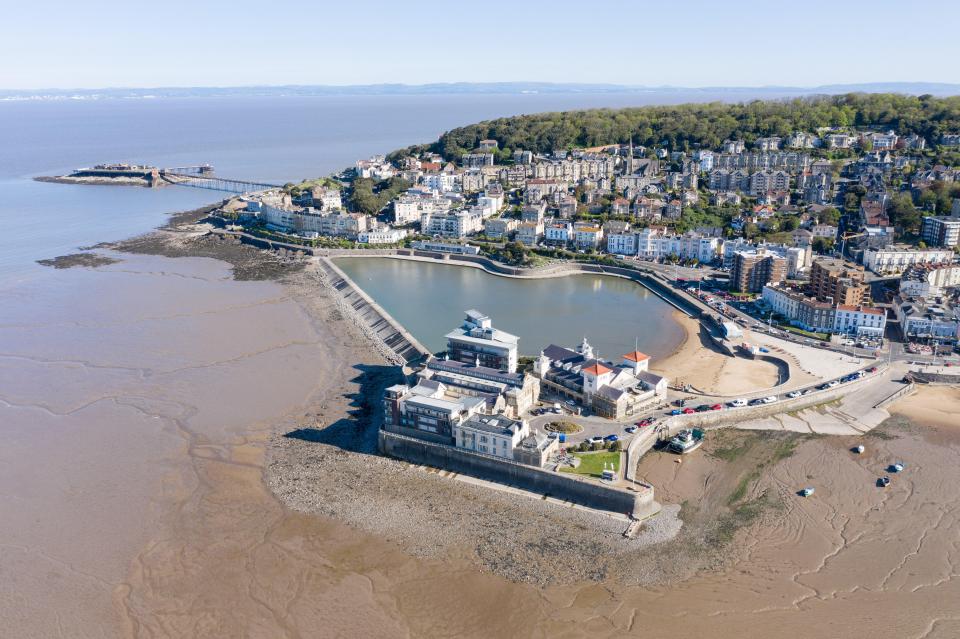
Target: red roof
[(597, 369), (636, 356)]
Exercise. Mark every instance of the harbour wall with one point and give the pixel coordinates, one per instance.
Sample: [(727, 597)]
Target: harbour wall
[(380, 323), (728, 416), (636, 498)]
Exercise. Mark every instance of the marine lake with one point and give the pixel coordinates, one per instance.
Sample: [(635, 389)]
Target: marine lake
[(429, 300)]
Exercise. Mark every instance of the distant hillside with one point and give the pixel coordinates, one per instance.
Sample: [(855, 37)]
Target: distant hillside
[(707, 125)]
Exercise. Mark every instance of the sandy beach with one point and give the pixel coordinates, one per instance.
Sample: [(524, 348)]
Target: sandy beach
[(699, 363), (227, 488)]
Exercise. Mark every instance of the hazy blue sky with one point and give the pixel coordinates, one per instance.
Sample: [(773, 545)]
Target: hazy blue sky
[(91, 43)]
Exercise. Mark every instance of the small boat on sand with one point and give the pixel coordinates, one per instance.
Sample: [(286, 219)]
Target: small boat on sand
[(883, 482), (896, 467), (806, 492), (859, 449), (686, 441)]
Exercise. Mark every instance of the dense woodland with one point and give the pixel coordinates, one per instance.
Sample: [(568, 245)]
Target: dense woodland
[(690, 126)]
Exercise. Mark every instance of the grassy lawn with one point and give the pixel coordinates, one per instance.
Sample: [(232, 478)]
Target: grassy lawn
[(592, 463), (800, 331)]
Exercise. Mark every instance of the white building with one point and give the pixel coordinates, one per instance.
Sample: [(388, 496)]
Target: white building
[(382, 236), (558, 232), (451, 223), (307, 221), (896, 259), (441, 181), (622, 243), (477, 341), (859, 320), (655, 244), (490, 434), (929, 280)]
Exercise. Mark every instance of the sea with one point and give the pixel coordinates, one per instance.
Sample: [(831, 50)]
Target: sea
[(136, 399), (270, 139)]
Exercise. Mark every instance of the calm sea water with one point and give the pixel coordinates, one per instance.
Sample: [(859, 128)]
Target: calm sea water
[(271, 139), (430, 300)]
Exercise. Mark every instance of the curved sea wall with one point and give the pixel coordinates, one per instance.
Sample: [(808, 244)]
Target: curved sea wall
[(727, 417)]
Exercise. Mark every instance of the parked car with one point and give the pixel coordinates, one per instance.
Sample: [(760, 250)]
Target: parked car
[(595, 440), (702, 408), (769, 400), (872, 369), (793, 394), (688, 411), (833, 384), (612, 438), (756, 402), (631, 429), (675, 411), (737, 403), (717, 407)]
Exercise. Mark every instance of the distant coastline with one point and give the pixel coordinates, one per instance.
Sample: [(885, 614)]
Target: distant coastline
[(697, 94)]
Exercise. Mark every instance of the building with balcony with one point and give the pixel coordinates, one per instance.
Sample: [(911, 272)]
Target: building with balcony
[(477, 341)]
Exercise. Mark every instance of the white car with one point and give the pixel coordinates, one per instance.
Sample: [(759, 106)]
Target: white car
[(769, 400), (833, 384), (793, 394), (737, 403)]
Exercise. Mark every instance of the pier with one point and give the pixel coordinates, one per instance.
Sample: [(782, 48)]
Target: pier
[(202, 177)]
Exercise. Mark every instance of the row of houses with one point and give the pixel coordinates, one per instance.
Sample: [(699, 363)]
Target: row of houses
[(811, 314)]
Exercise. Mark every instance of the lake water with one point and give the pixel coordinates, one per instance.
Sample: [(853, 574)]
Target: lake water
[(429, 300)]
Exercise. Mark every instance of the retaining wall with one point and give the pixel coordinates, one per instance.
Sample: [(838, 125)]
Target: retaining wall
[(393, 334), (719, 418), (636, 499)]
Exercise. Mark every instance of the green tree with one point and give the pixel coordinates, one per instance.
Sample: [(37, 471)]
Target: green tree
[(822, 245), (830, 216)]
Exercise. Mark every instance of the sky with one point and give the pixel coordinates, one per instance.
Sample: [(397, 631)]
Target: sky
[(96, 44)]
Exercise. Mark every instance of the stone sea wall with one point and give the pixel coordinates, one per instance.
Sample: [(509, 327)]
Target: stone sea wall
[(636, 499)]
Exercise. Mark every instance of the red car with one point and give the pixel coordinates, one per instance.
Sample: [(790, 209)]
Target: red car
[(688, 411), (717, 407)]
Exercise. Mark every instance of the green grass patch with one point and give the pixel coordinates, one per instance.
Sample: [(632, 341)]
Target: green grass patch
[(799, 331), (592, 464)]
